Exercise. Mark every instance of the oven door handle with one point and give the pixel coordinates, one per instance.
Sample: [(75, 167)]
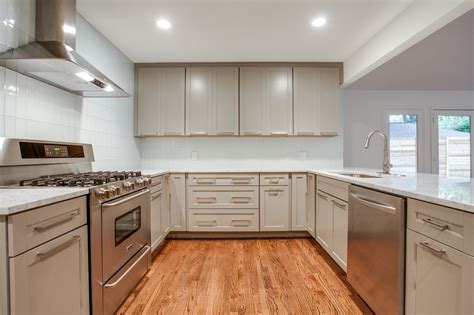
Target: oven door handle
[(124, 200), (116, 282)]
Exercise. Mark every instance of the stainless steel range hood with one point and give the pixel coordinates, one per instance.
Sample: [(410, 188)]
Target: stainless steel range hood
[(53, 58)]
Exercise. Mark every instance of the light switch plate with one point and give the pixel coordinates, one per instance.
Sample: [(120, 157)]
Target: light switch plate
[(303, 155), (194, 155)]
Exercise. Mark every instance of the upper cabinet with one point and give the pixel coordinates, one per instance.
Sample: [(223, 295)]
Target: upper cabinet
[(221, 101), (266, 101), (160, 101), (317, 108), (212, 101)]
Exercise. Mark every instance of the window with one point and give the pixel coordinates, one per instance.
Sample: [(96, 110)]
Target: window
[(453, 145), (403, 129)]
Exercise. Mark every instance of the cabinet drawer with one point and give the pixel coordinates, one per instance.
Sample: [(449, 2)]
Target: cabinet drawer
[(238, 220), (223, 197), (156, 184), (333, 187), (32, 228), (223, 179), (448, 226), (274, 179)]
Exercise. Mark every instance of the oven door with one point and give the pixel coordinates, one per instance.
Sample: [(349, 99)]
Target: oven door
[(125, 230)]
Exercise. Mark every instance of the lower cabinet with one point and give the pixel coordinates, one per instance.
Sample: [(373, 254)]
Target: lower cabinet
[(52, 278), (439, 278), (223, 220), (299, 202), (177, 186), (311, 208), (332, 226), (156, 226), (274, 208)]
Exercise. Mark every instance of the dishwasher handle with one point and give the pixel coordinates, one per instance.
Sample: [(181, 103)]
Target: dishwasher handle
[(374, 204)]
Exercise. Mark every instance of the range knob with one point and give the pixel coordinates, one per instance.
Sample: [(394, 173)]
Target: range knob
[(128, 186), (147, 181), (101, 193), (140, 182)]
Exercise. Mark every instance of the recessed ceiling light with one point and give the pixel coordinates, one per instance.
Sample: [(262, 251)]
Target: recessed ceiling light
[(318, 22), (164, 24)]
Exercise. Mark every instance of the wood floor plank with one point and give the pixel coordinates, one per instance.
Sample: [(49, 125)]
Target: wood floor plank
[(245, 276)]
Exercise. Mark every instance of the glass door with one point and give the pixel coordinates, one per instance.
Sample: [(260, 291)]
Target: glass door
[(452, 143)]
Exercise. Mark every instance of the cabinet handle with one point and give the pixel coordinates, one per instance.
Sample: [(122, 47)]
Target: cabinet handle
[(431, 248), (322, 196), (225, 133), (57, 221), (442, 227), (274, 180), (207, 223), (241, 180), (242, 222), (205, 181), (53, 251), (206, 200), (199, 133), (305, 133), (339, 204), (252, 133), (156, 196), (328, 133), (279, 133), (240, 199)]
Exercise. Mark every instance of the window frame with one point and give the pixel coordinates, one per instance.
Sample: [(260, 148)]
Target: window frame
[(420, 133), (435, 136)]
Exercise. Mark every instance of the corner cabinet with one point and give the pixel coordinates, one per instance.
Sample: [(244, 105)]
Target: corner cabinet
[(266, 101), (317, 108), (160, 101), (212, 101)]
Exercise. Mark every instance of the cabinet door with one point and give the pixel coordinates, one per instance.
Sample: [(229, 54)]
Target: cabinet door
[(178, 202), (148, 101), (198, 101), (274, 208), (340, 232), (330, 102), (279, 101), (225, 96), (299, 202), (311, 209), (439, 279), (252, 100), (52, 278), (165, 207), (173, 93), (307, 102), (155, 219), (324, 220)]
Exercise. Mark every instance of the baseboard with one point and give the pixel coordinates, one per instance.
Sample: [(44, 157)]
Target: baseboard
[(236, 235)]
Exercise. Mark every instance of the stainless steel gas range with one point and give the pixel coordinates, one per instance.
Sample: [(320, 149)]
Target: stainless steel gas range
[(119, 210)]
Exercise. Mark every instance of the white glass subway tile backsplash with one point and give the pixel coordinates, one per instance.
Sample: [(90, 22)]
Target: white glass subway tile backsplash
[(34, 110)]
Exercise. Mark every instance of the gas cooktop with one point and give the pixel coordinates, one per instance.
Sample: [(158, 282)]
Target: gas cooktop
[(88, 179)]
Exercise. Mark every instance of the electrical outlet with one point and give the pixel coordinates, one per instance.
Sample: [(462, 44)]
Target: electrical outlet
[(194, 155), (303, 155)]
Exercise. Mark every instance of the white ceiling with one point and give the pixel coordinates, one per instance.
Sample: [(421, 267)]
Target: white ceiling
[(239, 30), (442, 61)]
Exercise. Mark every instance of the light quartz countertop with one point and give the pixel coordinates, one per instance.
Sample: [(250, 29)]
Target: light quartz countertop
[(451, 192), (18, 199)]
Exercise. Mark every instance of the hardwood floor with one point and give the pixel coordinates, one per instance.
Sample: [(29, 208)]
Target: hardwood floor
[(254, 276)]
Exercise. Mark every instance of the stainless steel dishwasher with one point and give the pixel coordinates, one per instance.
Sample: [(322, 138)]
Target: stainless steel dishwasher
[(376, 249)]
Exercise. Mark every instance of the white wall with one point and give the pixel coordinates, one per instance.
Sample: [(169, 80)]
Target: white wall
[(364, 110), (34, 110), (243, 152)]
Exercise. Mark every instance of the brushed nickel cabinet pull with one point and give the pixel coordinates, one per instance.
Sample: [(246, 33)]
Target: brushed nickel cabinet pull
[(328, 133), (206, 200), (156, 196), (431, 248), (442, 227), (207, 223), (305, 133), (339, 204), (53, 251), (240, 199), (57, 221), (279, 133), (206, 181), (241, 222), (241, 180), (322, 196)]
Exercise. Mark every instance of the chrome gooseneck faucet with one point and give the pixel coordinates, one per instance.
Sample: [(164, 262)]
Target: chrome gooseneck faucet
[(386, 157)]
